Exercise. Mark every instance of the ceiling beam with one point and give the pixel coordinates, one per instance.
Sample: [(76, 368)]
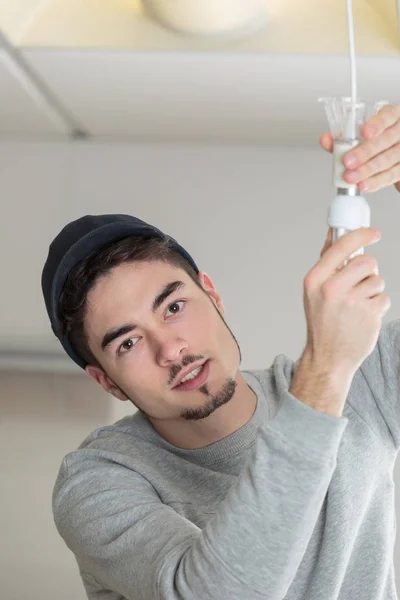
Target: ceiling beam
[(38, 91)]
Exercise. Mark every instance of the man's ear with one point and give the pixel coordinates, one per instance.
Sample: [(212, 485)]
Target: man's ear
[(106, 383), (209, 287)]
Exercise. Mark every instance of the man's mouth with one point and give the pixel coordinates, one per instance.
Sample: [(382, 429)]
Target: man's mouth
[(196, 378)]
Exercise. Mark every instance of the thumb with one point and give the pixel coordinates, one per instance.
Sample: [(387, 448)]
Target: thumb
[(326, 141)]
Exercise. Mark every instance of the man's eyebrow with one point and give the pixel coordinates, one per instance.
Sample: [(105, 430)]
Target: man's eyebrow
[(167, 290)]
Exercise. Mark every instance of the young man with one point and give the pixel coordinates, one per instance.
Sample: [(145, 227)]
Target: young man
[(225, 484)]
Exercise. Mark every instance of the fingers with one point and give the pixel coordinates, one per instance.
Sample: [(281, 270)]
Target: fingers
[(370, 287), (382, 179), (365, 151), (381, 304), (372, 159), (340, 251), (382, 162), (328, 241), (358, 270), (387, 116)]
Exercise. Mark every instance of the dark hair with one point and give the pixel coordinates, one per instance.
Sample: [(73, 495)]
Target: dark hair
[(82, 278)]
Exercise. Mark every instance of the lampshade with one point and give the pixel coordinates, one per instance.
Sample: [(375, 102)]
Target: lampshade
[(209, 17)]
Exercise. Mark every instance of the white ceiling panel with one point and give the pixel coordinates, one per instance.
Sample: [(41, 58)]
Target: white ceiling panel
[(19, 113), (204, 96)]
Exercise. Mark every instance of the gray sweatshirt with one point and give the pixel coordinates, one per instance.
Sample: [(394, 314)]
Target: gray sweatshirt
[(295, 505)]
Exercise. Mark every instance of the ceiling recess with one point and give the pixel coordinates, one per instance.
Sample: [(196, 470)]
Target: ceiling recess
[(209, 17)]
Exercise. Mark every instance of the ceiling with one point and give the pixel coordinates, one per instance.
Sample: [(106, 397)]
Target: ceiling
[(105, 69)]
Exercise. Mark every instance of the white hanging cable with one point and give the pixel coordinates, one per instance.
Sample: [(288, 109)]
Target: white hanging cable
[(353, 72)]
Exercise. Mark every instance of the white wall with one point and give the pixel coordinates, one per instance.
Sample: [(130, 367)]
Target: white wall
[(253, 218)]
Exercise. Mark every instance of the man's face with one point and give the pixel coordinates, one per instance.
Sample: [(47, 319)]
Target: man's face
[(156, 341)]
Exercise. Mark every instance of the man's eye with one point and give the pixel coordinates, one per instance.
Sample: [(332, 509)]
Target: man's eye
[(124, 345), (127, 345), (176, 304)]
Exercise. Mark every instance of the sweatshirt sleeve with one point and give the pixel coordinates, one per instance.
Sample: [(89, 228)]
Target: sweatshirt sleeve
[(131, 543), (381, 371)]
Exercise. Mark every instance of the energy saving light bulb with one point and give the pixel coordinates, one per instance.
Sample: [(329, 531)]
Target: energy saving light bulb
[(349, 210)]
